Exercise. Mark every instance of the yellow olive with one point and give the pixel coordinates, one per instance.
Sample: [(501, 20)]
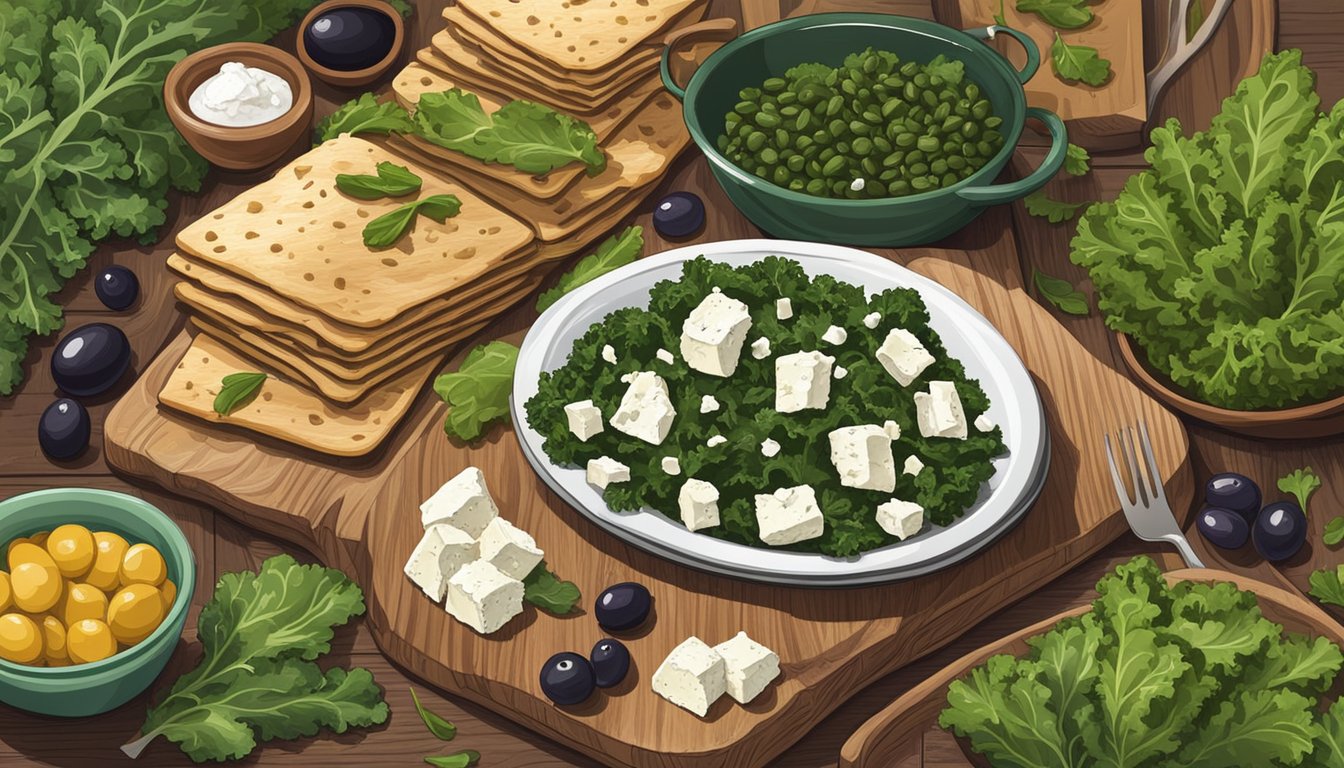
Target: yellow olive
[(37, 588), (20, 640), (142, 564), (28, 552), (53, 639), (71, 548), (106, 571), (135, 612), (89, 640), (169, 590), (83, 601), (6, 592)]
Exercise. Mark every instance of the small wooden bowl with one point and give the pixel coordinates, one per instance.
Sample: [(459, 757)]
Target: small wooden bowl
[(350, 78), (1321, 419), (239, 149)]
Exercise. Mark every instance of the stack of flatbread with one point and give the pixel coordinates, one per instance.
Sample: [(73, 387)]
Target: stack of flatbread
[(279, 281), (596, 60)]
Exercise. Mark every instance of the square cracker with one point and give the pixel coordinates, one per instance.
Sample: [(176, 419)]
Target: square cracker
[(583, 35), (470, 75), (286, 411), (299, 235)]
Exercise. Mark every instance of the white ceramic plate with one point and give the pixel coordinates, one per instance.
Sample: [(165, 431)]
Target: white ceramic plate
[(967, 335)]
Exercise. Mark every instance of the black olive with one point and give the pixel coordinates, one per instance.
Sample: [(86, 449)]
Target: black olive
[(567, 678), (63, 431), (1238, 493), (679, 214), (1223, 527), (91, 359), (623, 606), (349, 39), (611, 662), (1280, 530), (117, 287)]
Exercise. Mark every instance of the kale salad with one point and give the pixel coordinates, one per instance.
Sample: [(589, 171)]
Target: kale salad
[(844, 453)]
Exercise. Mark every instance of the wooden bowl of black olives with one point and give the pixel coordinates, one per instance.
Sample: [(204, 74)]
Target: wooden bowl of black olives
[(350, 42)]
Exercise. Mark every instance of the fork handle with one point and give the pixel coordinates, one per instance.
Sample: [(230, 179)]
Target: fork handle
[(1187, 552)]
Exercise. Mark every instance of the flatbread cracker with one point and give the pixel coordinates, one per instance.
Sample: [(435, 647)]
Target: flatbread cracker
[(286, 411), (582, 35), (277, 235), (472, 77)]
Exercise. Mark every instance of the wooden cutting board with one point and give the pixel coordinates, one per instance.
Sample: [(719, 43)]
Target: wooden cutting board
[(363, 518)]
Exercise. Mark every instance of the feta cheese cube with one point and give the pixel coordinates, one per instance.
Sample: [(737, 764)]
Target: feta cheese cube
[(708, 404), (693, 676), (463, 502), (892, 429), (783, 309), (665, 356), (789, 515), (510, 549), (901, 519), (483, 597), (609, 353), (670, 465), (862, 457), (760, 348), (585, 420), (939, 411), (699, 504), (769, 448), (904, 356), (748, 667), (441, 552), (840, 372), (605, 470), (983, 423), (835, 335), (716, 440), (872, 319), (712, 337), (802, 380), (645, 411), (913, 466)]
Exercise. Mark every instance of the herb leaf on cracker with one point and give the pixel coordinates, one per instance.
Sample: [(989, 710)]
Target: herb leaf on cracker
[(388, 228), (392, 181), (365, 115), (237, 390), (530, 137)]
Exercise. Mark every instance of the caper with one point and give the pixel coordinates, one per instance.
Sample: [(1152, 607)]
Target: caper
[(927, 143), (765, 119), (833, 166)]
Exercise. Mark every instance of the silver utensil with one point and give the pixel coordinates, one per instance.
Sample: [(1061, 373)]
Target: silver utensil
[(1148, 513)]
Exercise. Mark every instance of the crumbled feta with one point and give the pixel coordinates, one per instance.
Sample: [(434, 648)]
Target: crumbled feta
[(441, 552), (483, 597), (840, 372), (713, 334), (769, 448), (913, 466), (939, 411), (512, 550), (716, 440), (605, 470), (892, 429), (693, 676), (665, 356), (708, 404), (670, 465), (748, 666), (760, 348), (609, 353), (904, 356), (872, 319), (857, 185), (983, 423), (802, 380), (789, 515), (585, 420), (463, 502), (645, 411), (901, 519), (783, 309), (862, 457), (835, 335), (699, 504)]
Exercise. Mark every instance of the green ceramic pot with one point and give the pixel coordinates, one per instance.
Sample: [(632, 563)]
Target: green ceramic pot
[(768, 51), (91, 689)]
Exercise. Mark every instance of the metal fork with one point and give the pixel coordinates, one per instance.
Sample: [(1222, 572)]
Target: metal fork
[(1149, 514)]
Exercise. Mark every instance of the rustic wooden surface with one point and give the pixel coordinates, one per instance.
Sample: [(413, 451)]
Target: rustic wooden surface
[(222, 545)]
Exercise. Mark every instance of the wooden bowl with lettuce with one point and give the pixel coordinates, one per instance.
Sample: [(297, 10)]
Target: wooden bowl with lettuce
[(1222, 265), (1195, 667)]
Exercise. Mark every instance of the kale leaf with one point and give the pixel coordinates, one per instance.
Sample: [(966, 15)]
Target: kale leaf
[(477, 393)]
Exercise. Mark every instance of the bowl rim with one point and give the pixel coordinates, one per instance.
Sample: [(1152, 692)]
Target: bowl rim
[(185, 589), (351, 75), (888, 21), (250, 54)]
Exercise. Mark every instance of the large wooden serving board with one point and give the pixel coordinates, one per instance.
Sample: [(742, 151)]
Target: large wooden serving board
[(363, 518)]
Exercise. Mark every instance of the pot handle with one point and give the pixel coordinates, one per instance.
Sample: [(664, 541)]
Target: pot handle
[(1029, 45), (721, 29), (1013, 190)]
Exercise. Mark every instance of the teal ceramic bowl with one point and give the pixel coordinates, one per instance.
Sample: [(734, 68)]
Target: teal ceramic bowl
[(827, 38), (91, 689)]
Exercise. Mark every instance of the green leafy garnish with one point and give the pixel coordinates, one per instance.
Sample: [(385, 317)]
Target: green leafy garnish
[(545, 590), (1074, 63), (530, 137), (388, 228), (365, 114), (261, 635), (1301, 483), (442, 729), (477, 393), (392, 181), (458, 760), (237, 390), (614, 252), (1043, 206), (1328, 586), (1061, 14), (1062, 294), (1154, 675), (1334, 532), (1076, 161)]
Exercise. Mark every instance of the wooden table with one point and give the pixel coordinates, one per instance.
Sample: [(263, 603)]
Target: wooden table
[(223, 545)]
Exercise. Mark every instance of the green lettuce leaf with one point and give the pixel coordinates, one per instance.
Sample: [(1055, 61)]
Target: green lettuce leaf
[(530, 137), (477, 393), (364, 114), (614, 252)]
